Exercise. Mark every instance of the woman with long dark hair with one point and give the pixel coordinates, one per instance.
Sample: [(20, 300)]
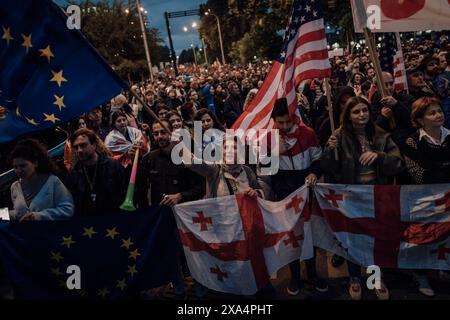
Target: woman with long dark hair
[(212, 131), (367, 155)]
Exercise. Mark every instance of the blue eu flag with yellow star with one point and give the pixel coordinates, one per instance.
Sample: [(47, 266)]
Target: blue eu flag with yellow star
[(49, 73), (113, 256)]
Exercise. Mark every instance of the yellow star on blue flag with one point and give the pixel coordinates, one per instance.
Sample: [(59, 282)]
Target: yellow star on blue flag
[(42, 60)]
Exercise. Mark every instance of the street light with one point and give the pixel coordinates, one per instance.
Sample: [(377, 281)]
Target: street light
[(220, 33)]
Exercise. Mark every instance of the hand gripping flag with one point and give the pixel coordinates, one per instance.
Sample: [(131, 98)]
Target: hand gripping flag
[(233, 244), (390, 226), (49, 74)]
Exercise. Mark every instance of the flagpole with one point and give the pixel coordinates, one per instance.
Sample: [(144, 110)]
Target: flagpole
[(330, 112), (376, 64), (400, 49), (150, 111)]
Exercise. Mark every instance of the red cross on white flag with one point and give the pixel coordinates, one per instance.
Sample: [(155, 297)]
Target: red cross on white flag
[(389, 226), (234, 243)]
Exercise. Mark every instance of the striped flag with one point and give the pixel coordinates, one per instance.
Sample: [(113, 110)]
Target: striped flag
[(234, 243), (391, 60), (304, 56)]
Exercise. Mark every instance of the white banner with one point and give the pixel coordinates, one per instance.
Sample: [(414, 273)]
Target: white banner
[(401, 15)]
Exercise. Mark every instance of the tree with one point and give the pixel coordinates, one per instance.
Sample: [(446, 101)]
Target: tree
[(252, 27), (339, 13), (113, 28), (186, 56)]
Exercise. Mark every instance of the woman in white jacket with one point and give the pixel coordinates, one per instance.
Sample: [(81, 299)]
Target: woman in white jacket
[(38, 194)]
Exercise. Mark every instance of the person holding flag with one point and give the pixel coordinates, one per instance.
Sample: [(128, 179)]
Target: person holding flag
[(300, 154)]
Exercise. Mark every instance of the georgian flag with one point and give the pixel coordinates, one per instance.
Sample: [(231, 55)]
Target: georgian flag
[(389, 226), (233, 243)]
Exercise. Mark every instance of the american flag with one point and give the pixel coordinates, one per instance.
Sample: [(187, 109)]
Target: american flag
[(391, 60), (304, 56)]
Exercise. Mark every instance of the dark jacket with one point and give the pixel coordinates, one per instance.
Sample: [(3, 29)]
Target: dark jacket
[(109, 188), (158, 172), (402, 117), (388, 164), (232, 109)]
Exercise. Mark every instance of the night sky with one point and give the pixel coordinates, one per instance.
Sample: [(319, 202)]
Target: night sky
[(181, 39)]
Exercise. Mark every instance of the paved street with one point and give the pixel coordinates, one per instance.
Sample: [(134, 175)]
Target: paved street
[(400, 284)]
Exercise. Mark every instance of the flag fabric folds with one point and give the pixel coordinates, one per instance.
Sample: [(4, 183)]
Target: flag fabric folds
[(233, 244), (49, 74), (390, 226), (304, 56), (118, 255)]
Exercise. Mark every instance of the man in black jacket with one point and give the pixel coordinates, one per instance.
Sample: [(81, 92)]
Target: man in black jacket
[(161, 182), (97, 182)]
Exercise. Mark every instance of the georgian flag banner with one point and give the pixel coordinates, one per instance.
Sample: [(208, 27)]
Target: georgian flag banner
[(404, 15), (232, 244)]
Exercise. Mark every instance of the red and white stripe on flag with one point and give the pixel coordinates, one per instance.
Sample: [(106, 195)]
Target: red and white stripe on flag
[(400, 78), (304, 56), (232, 244), (389, 226)]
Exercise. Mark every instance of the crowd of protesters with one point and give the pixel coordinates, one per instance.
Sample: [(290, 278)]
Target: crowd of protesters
[(401, 138)]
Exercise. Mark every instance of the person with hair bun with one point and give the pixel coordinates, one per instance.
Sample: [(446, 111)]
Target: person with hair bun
[(38, 194)]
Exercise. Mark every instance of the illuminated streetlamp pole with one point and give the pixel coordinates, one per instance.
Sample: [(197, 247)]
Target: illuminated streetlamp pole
[(144, 36), (204, 50), (220, 33)]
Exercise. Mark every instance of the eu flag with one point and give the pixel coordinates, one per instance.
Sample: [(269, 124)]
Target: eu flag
[(118, 255), (49, 73)]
